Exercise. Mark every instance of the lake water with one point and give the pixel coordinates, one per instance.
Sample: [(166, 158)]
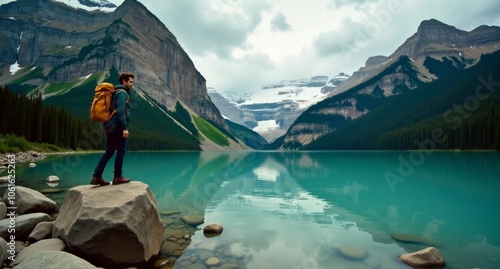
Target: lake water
[(299, 209)]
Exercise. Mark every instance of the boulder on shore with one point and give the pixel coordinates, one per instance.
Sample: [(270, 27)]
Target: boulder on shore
[(24, 225), (111, 226), (55, 259), (28, 201)]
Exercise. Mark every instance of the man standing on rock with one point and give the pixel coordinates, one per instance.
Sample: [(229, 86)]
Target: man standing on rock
[(116, 133)]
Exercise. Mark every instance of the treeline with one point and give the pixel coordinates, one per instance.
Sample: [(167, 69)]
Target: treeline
[(460, 110), (28, 117)]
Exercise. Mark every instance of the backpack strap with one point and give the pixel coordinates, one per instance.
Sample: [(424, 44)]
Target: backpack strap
[(113, 102)]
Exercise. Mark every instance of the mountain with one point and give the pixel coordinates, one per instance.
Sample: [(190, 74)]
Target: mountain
[(51, 48), (436, 53), (432, 39), (271, 110)]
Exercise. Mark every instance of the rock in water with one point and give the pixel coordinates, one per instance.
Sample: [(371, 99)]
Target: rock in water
[(428, 257), (111, 226), (213, 228), (412, 239), (352, 252)]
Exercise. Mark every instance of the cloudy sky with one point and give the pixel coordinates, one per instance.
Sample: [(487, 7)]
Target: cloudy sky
[(240, 45)]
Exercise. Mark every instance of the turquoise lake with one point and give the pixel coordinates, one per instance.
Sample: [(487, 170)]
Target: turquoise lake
[(297, 209)]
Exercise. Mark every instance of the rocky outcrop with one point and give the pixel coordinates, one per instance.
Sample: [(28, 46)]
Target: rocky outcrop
[(428, 257), (111, 226), (434, 38), (378, 78)]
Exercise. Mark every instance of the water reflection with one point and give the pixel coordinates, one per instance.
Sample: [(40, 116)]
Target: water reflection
[(294, 209)]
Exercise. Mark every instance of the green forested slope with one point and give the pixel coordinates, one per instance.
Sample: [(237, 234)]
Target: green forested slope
[(150, 128), (460, 110)]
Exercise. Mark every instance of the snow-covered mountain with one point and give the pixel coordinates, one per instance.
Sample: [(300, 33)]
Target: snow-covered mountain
[(271, 110)]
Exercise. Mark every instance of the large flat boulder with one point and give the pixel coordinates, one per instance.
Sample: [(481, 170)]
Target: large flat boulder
[(111, 226)]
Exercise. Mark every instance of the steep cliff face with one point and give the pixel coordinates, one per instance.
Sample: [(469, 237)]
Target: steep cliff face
[(70, 43)]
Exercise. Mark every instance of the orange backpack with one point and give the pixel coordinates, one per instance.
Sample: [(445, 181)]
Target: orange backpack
[(100, 109)]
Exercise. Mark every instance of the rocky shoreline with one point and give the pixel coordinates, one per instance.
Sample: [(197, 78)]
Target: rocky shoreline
[(20, 158), (126, 232)]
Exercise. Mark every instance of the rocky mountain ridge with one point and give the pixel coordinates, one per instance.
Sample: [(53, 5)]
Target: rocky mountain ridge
[(44, 43), (433, 39), (386, 76)]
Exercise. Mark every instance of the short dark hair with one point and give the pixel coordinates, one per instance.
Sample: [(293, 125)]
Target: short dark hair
[(125, 77)]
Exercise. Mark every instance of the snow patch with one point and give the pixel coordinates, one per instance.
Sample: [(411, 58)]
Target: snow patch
[(102, 5), (85, 77), (14, 68)]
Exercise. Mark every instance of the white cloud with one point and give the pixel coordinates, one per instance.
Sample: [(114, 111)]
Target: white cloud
[(239, 45)]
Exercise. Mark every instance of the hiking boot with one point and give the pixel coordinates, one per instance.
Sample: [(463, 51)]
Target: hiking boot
[(98, 181), (120, 180)]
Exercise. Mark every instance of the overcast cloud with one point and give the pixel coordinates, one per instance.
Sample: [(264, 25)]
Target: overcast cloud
[(240, 45)]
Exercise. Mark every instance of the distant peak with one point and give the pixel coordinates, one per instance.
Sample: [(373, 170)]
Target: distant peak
[(431, 21), (433, 24)]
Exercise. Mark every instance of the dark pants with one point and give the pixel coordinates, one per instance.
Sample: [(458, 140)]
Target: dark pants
[(114, 142)]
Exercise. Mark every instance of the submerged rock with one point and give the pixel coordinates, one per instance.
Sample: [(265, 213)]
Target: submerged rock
[(353, 252), (193, 219), (413, 239)]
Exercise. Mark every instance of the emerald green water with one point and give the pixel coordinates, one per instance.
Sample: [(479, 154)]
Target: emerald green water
[(295, 209)]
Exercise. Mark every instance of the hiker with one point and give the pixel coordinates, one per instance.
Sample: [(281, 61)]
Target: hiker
[(116, 133)]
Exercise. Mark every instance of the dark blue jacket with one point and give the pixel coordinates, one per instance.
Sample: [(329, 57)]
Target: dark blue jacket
[(121, 118)]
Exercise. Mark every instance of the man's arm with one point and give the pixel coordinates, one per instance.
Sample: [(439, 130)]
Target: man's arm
[(121, 113)]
